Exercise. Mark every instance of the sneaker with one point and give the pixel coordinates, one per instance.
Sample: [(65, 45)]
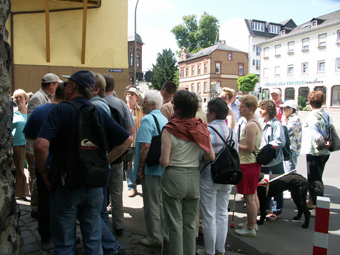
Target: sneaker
[(310, 204), (273, 217), (132, 193), (147, 242), (203, 252), (246, 232), (244, 224)]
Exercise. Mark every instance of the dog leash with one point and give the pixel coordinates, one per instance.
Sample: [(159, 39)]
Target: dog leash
[(282, 175)]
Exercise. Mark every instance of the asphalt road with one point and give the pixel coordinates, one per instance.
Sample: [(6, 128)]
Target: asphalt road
[(280, 237)]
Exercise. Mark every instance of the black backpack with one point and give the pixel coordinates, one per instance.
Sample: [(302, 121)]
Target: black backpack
[(226, 167), (84, 162), (115, 114)]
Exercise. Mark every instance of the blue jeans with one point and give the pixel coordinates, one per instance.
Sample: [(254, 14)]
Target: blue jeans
[(277, 169), (66, 206), (291, 164), (109, 242), (130, 179)]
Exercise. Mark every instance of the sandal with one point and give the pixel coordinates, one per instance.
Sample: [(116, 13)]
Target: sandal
[(271, 217)]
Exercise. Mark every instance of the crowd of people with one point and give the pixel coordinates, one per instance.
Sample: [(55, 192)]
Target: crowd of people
[(179, 190)]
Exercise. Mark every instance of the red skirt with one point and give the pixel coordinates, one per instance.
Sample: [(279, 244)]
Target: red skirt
[(250, 178)]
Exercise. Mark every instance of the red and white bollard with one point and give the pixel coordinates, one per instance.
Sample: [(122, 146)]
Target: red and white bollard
[(322, 212)]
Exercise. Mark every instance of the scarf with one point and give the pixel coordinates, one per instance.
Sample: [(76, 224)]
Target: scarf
[(193, 130)]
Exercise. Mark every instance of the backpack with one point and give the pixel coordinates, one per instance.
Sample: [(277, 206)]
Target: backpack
[(225, 169), (84, 162), (154, 153), (287, 153)]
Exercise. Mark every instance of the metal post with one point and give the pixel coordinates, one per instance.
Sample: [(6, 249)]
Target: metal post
[(134, 49)]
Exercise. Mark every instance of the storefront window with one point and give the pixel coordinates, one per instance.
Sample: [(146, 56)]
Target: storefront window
[(336, 95), (321, 88), (290, 94), (304, 92)]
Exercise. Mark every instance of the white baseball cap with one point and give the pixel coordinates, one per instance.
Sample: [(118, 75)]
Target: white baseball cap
[(290, 103), (276, 91)]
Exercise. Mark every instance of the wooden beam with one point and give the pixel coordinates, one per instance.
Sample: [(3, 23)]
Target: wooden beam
[(84, 32), (47, 22)]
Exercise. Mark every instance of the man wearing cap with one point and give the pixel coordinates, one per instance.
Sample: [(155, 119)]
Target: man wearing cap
[(116, 181), (44, 95), (168, 91), (68, 205), (276, 97), (293, 123), (132, 98)]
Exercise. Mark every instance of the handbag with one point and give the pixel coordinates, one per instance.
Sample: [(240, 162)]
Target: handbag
[(154, 153), (333, 138)]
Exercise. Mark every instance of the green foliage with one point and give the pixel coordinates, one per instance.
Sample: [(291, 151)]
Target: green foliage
[(194, 35), (164, 69), (248, 82), (300, 107), (176, 78), (302, 101), (306, 108)]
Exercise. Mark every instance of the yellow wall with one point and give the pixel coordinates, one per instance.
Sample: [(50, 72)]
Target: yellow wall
[(106, 38)]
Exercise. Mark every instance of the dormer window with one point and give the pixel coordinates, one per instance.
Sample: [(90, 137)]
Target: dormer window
[(257, 26), (314, 23), (283, 32), (274, 29)]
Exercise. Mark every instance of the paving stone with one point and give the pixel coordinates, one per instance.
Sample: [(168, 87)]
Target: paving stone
[(29, 240), (34, 247), (25, 234)]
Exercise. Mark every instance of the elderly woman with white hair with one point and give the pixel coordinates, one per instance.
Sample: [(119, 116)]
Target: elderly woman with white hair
[(19, 121), (151, 175), (200, 113)]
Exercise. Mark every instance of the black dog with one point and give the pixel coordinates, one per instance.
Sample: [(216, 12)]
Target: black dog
[(296, 184)]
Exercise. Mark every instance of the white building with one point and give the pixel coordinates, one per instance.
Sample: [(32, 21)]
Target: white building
[(247, 34), (303, 59)]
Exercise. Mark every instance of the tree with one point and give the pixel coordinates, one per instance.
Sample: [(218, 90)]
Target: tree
[(196, 36), (164, 69), (248, 82)]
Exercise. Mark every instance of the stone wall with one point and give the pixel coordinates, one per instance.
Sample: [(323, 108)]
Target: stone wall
[(9, 230)]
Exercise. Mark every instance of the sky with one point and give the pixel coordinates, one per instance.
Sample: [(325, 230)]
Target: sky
[(156, 18)]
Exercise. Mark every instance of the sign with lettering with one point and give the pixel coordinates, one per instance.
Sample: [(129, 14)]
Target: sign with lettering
[(116, 70)]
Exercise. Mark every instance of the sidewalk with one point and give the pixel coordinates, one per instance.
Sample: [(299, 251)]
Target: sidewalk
[(134, 230)]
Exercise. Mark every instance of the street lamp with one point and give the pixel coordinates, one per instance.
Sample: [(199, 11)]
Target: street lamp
[(134, 49)]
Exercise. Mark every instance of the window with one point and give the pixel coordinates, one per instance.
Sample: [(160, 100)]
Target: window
[(322, 40), (198, 69), (257, 64), (192, 71), (131, 59), (321, 88), (265, 72), (218, 68), (290, 47), (278, 50), (274, 29), (218, 85), (305, 44), (336, 95), (192, 87), (338, 38), (205, 68), (257, 26), (289, 94), (265, 52), (181, 73), (290, 70), (277, 70), (337, 64), (258, 51), (229, 55), (283, 32), (253, 62), (314, 23), (187, 72), (304, 68), (205, 87), (199, 87), (321, 66), (240, 69), (304, 92), (137, 60)]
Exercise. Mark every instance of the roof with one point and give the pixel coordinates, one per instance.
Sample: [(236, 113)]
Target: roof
[(324, 21), (209, 50), (289, 23), (131, 38)]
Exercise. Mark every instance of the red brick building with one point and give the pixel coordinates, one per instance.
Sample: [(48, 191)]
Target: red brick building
[(212, 68)]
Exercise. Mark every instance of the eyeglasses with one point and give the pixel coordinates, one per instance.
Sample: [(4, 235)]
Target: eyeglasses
[(241, 106)]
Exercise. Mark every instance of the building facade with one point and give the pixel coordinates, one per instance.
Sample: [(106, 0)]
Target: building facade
[(247, 34), (139, 57), (304, 59), (63, 36), (210, 69)]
